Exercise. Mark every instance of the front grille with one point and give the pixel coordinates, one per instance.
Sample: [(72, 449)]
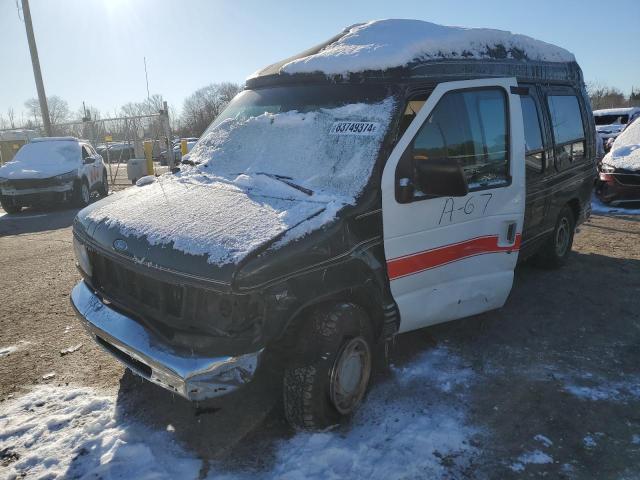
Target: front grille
[(632, 180), (171, 308), (26, 183)]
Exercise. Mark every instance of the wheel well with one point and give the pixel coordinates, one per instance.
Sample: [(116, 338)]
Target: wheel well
[(364, 300), (574, 205)]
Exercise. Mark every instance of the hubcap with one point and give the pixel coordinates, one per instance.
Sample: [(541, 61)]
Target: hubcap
[(350, 375), (562, 237), (85, 193)]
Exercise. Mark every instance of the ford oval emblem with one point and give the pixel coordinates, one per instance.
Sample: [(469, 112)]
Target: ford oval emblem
[(120, 245)]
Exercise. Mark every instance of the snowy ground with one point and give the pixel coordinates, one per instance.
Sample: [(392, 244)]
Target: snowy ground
[(415, 422), (598, 207)]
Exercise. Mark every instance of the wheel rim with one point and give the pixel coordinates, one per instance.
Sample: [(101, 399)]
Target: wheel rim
[(562, 237), (85, 193), (350, 375)]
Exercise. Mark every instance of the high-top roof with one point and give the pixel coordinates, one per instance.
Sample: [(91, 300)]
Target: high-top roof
[(388, 44)]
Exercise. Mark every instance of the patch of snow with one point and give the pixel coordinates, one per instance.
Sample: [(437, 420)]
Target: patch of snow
[(383, 44), (635, 439), (240, 196), (7, 351), (43, 159), (606, 391), (536, 457), (75, 433), (616, 111), (4, 351), (589, 442), (49, 376), (405, 429), (598, 207), (625, 152), (544, 440), (146, 180)]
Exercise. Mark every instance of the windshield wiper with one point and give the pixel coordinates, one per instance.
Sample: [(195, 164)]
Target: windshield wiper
[(287, 181)]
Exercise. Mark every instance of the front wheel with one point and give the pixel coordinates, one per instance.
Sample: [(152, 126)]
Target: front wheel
[(82, 194), (103, 189), (9, 206), (329, 375), (557, 248)]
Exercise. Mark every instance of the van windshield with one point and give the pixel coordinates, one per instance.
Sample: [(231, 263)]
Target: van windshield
[(611, 119), (323, 138)]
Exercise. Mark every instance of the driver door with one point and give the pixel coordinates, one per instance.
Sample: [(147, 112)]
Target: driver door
[(453, 256)]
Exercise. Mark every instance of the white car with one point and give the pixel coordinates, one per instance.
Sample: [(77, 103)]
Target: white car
[(610, 122), (53, 169)]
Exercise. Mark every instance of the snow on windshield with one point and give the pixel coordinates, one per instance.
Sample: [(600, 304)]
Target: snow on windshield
[(383, 44), (329, 150), (273, 175), (43, 159), (625, 152)]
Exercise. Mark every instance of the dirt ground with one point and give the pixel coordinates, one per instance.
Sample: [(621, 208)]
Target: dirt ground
[(559, 360)]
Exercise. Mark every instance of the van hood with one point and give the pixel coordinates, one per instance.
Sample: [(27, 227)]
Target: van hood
[(205, 227)]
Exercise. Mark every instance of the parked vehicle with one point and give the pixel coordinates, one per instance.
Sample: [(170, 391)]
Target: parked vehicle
[(610, 122), (177, 150), (619, 181), (338, 200), (53, 169)]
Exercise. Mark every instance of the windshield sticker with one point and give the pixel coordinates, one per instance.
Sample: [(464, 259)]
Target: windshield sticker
[(354, 128)]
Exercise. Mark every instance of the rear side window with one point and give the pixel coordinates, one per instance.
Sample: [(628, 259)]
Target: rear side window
[(568, 131), (534, 148), (85, 152), (469, 127)]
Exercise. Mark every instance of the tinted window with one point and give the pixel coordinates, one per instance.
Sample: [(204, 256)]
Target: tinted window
[(468, 127), (568, 131), (565, 118), (532, 134), (85, 151)]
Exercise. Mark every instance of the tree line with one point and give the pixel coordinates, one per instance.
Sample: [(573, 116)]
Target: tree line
[(198, 111)]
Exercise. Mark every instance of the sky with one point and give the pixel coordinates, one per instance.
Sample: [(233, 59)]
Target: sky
[(93, 50)]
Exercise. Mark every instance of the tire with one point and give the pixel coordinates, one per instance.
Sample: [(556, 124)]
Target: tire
[(329, 374), (103, 189), (82, 194), (9, 206), (555, 251)]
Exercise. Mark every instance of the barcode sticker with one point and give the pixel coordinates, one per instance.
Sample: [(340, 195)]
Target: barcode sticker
[(354, 128)]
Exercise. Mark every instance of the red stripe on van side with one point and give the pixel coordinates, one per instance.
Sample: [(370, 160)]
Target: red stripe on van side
[(418, 262)]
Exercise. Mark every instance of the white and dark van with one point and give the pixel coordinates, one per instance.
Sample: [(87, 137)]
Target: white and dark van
[(387, 180)]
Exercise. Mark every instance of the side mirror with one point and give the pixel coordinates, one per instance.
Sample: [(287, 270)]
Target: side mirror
[(88, 160), (441, 178)]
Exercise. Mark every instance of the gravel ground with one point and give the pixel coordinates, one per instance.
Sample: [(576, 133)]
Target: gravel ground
[(556, 389)]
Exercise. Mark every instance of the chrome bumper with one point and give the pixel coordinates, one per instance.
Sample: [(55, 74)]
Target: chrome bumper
[(193, 377)]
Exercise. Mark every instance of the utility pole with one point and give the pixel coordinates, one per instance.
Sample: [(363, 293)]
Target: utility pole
[(44, 108)]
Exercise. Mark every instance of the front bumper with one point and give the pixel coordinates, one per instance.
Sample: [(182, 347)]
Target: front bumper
[(615, 189), (18, 192), (192, 376)]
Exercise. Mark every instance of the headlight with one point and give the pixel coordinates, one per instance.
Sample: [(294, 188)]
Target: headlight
[(66, 177), (607, 168), (82, 257)]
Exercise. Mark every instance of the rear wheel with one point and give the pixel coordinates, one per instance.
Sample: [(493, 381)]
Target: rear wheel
[(329, 375), (9, 206), (82, 193), (557, 248), (103, 189)]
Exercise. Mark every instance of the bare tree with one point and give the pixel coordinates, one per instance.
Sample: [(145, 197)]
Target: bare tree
[(603, 96), (58, 109), (11, 114), (205, 104)]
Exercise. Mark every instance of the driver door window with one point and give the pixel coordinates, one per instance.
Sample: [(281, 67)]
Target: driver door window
[(469, 127)]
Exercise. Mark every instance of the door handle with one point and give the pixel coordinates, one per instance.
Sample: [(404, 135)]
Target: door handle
[(511, 232)]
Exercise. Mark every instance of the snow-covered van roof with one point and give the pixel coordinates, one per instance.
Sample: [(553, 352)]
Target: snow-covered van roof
[(396, 43), (616, 111)]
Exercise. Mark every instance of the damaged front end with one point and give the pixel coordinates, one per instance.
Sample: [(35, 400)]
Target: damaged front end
[(193, 375)]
